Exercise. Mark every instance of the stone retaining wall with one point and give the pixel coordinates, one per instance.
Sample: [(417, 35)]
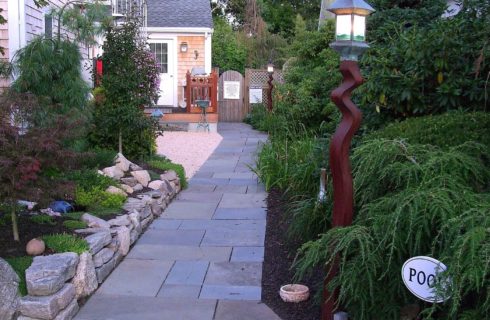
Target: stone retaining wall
[(56, 282)]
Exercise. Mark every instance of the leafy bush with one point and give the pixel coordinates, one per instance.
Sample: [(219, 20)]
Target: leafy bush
[(20, 265), (99, 158), (73, 215), (73, 224), (88, 179), (228, 52), (161, 163), (60, 243), (97, 197), (411, 200), (43, 219), (430, 67), (446, 130)]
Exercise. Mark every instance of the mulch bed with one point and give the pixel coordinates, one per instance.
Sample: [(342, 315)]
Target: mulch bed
[(279, 256), (27, 231)]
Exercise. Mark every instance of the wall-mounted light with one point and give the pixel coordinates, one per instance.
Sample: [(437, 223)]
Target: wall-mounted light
[(196, 54), (184, 47)]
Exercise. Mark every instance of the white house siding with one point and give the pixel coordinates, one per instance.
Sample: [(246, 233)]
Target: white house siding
[(4, 38), (25, 22)]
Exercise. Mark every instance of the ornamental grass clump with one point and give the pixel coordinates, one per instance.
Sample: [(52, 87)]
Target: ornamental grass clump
[(411, 200)]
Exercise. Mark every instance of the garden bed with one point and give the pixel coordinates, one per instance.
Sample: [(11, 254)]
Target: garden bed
[(279, 256)]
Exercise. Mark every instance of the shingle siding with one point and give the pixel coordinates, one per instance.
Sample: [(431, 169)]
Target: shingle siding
[(179, 13)]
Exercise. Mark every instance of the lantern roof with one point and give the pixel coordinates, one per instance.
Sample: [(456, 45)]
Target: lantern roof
[(351, 6)]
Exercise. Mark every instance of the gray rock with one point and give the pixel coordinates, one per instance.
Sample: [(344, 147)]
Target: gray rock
[(120, 221), (69, 312), (155, 185), (116, 190), (170, 188), (134, 167), (130, 181), (9, 284), (105, 270), (134, 204), (142, 176), (99, 240), (118, 258), (133, 236), (47, 274), (135, 220), (114, 245), (169, 175), (113, 172), (90, 231), (102, 257), (146, 222), (157, 209), (47, 307), (85, 280), (122, 163), (124, 238), (94, 222), (127, 188), (137, 188), (146, 212)]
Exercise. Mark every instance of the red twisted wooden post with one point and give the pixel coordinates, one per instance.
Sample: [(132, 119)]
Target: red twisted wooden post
[(343, 194)]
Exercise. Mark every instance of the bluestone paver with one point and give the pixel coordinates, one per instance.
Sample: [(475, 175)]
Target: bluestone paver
[(202, 259), (247, 254), (172, 237), (141, 278), (187, 273), (240, 213)]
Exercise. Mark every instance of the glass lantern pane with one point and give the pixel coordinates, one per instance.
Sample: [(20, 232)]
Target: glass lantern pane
[(344, 27), (359, 28)]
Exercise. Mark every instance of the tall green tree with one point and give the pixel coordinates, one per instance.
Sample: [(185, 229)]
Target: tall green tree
[(129, 83), (228, 52)]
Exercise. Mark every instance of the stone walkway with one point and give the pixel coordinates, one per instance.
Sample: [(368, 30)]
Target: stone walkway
[(203, 258)]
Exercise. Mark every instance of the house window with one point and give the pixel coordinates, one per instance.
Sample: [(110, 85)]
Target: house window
[(48, 26), (161, 52)]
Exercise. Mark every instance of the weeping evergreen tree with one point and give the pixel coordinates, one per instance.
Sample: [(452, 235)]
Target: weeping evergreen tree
[(412, 200)]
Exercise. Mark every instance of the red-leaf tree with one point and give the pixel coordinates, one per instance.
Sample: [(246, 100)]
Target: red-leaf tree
[(29, 146)]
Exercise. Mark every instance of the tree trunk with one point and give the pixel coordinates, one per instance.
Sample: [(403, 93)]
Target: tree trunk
[(120, 141), (15, 227)]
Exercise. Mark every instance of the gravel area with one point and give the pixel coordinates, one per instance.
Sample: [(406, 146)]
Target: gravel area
[(190, 149)]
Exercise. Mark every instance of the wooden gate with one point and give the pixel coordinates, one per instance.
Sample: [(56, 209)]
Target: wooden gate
[(231, 94)]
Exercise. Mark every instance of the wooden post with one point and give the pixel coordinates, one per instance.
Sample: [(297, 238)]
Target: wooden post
[(214, 91), (343, 194), (269, 93), (188, 91)]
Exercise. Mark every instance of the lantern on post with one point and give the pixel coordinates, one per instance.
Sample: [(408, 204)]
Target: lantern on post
[(350, 35), (270, 71)]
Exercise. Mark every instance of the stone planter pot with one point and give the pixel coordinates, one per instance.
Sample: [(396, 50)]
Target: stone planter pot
[(294, 293)]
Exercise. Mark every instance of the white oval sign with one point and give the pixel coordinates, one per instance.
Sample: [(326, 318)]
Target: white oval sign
[(420, 275)]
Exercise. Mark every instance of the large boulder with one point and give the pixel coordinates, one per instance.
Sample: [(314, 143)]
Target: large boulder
[(142, 176), (9, 285), (94, 222), (48, 274), (47, 307), (122, 163), (85, 280)]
